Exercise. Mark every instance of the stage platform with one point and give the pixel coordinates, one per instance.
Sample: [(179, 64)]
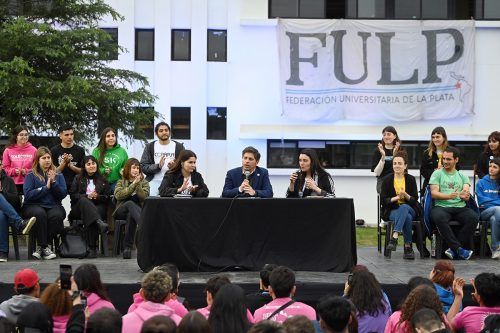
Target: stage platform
[(122, 277)]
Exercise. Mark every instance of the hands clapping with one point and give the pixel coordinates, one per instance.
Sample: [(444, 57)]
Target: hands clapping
[(51, 178)]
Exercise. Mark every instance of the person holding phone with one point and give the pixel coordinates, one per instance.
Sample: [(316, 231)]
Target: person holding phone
[(311, 179), (130, 193), (183, 178)]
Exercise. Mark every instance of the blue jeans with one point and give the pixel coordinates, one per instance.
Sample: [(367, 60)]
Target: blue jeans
[(493, 215), (403, 217), (7, 214)]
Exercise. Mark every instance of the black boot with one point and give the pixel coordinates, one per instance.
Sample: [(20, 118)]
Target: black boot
[(408, 252), (393, 243)]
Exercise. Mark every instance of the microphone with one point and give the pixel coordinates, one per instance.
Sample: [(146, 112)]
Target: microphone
[(247, 174)]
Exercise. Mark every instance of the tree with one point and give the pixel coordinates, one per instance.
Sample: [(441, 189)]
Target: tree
[(54, 69)]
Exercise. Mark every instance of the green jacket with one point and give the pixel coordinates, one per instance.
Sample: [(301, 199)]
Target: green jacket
[(114, 158), (125, 188)]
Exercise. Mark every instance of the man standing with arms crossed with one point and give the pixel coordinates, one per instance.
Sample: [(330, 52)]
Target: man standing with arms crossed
[(158, 156), (450, 190)]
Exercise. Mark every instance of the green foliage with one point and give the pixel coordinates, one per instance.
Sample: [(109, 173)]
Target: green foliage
[(54, 69)]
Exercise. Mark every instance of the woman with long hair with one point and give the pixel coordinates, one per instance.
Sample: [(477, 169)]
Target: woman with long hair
[(228, 313), (421, 297), (194, 322), (60, 304), (88, 280), (18, 157), (488, 198), (111, 157), (443, 276), (89, 194), (372, 305), (311, 179), (399, 198), (431, 158), (382, 156), (491, 150), (130, 193), (182, 178), (44, 191)]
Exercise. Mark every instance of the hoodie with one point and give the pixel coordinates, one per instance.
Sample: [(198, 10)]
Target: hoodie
[(174, 304), (446, 296), (15, 156), (13, 306), (132, 322), (94, 303), (114, 159), (60, 323), (487, 192), (37, 193)]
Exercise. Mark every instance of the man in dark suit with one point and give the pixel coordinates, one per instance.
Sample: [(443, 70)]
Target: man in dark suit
[(249, 180)]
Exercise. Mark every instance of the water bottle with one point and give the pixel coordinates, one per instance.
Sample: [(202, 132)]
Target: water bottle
[(433, 245)]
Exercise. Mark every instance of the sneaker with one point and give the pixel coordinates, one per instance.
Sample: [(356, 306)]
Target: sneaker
[(38, 253), (393, 243), (92, 254), (26, 225), (495, 254), (3, 257), (47, 254), (127, 253), (464, 254), (408, 253), (451, 254)]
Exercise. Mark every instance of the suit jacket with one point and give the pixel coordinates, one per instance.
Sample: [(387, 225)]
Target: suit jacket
[(259, 180), (173, 181), (388, 191)]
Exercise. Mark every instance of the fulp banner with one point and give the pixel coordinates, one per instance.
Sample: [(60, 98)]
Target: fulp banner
[(376, 70)]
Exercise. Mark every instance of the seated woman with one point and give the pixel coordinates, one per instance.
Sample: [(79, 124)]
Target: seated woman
[(443, 277), (373, 308), (89, 194), (182, 178), (311, 179), (130, 193), (43, 194), (487, 190), (399, 196), (431, 158)]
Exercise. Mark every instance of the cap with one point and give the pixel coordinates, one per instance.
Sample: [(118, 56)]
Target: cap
[(25, 279)]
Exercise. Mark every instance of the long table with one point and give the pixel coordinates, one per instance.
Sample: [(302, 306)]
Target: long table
[(212, 234)]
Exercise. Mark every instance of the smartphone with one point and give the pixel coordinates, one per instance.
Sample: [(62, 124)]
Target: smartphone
[(349, 279), (84, 300), (65, 273)]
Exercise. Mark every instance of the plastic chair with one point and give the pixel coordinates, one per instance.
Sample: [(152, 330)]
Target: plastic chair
[(15, 241), (118, 236)]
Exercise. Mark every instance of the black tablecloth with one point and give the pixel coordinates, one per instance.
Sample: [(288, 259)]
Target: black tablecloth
[(211, 234)]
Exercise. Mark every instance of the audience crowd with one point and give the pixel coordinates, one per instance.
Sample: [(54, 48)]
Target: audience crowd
[(432, 305)]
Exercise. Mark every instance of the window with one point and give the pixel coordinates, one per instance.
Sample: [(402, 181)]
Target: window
[(217, 45), (216, 123), (181, 45), (111, 45), (357, 154), (297, 8), (370, 8), (181, 122), (145, 44), (491, 9), (148, 125)]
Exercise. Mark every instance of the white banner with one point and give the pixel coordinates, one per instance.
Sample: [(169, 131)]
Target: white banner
[(376, 70)]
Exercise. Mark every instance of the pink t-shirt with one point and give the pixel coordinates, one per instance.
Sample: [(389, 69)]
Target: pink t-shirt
[(206, 312), (393, 327), (471, 319), (294, 309)]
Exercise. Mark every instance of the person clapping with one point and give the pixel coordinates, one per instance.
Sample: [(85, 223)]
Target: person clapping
[(182, 178)]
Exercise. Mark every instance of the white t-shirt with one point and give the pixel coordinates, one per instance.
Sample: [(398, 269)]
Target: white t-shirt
[(90, 187), (190, 184), (159, 151)]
